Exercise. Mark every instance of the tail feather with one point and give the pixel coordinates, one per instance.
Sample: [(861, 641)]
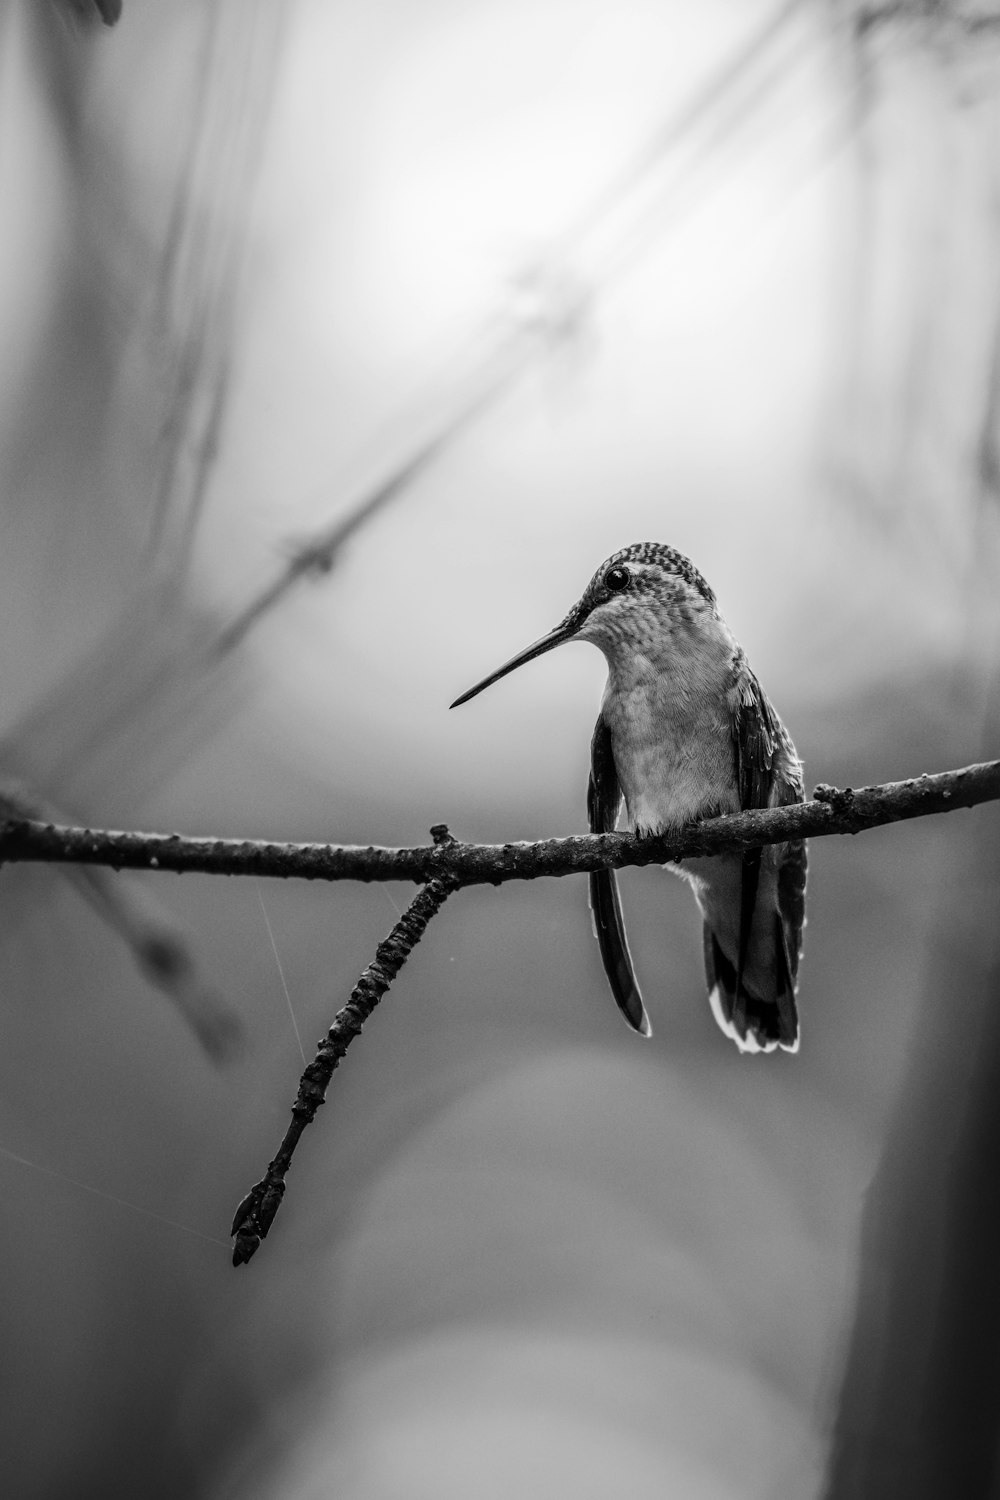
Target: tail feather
[(755, 1022), (610, 930)]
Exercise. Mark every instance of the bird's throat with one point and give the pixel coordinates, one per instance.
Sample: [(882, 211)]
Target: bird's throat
[(671, 736)]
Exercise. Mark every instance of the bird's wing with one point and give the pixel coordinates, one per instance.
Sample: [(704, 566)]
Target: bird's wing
[(603, 805), (792, 900), (756, 732), (761, 746)]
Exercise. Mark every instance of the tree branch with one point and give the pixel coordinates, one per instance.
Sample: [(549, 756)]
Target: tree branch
[(831, 811), (447, 865), (255, 1214)]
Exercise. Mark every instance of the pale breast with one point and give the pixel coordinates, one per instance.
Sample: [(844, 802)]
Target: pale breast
[(672, 742)]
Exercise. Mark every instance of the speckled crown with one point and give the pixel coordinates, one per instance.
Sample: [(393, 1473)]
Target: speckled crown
[(665, 557)]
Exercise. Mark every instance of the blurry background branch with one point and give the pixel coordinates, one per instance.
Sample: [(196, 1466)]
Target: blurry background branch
[(917, 1408), (143, 685), (109, 10), (159, 947), (832, 811), (551, 297)]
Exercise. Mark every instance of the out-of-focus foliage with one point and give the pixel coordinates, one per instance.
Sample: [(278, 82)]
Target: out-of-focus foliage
[(552, 277)]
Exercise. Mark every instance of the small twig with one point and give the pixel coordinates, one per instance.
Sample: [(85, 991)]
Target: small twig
[(831, 811), (255, 1214)]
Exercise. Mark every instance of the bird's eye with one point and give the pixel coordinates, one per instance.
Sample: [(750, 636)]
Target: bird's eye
[(617, 579)]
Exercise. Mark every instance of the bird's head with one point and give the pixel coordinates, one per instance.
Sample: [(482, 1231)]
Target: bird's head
[(638, 600)]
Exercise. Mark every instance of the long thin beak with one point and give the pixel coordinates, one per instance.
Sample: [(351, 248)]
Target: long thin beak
[(563, 632)]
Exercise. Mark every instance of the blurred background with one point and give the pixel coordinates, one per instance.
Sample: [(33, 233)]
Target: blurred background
[(341, 342)]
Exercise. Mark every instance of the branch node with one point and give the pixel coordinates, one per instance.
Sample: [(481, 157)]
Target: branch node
[(255, 1216), (840, 800)]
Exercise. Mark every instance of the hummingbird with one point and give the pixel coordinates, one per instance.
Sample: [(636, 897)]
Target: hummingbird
[(686, 732)]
